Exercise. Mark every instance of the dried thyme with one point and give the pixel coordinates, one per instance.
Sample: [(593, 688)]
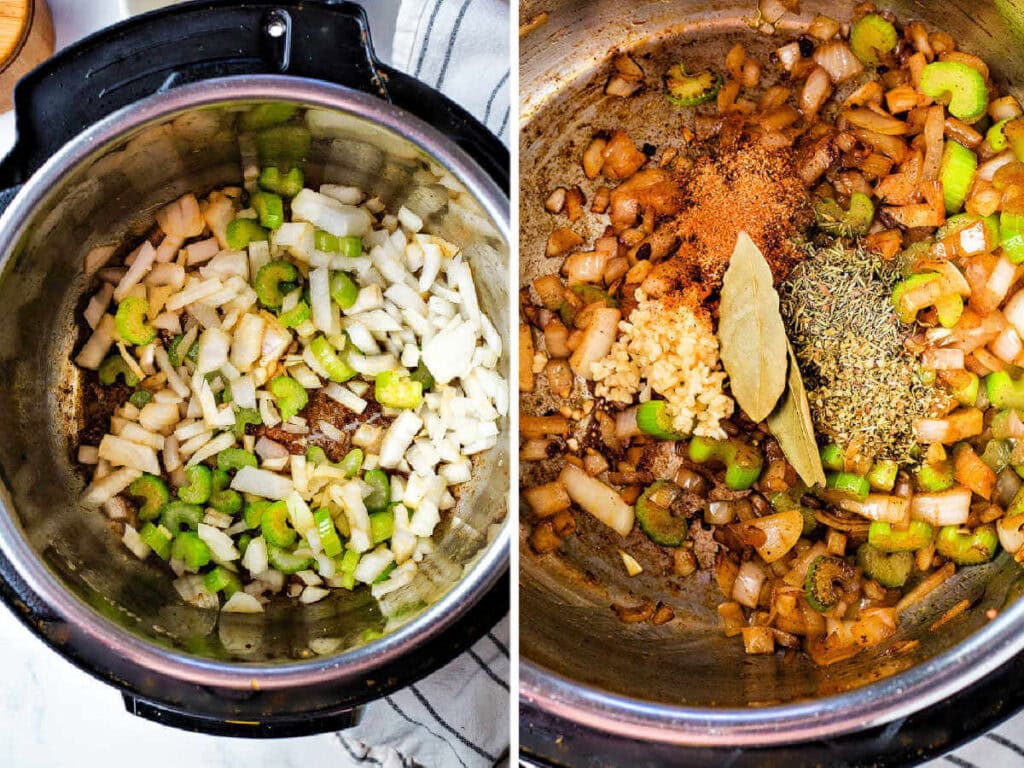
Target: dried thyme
[(864, 386)]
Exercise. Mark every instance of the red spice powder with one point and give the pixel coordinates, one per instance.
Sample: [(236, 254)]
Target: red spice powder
[(744, 187)]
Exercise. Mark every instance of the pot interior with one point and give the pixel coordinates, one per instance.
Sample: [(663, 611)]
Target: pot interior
[(110, 199), (566, 627)]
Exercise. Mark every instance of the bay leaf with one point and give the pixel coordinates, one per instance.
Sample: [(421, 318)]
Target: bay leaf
[(751, 335), (791, 425)]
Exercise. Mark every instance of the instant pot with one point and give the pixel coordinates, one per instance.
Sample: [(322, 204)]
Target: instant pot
[(595, 691), (110, 130)]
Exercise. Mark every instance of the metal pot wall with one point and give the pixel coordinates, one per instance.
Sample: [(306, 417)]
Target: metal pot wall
[(90, 168), (610, 688)]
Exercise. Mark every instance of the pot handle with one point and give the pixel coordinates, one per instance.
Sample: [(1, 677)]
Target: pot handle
[(304, 725), (154, 52)]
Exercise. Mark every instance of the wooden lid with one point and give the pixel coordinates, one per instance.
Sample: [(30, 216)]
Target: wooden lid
[(15, 16)]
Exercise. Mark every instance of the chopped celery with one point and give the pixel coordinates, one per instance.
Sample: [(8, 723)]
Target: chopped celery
[(243, 542), (1011, 233), (967, 547), (934, 478), (384, 576), (956, 174), (890, 569), (175, 514), (285, 561), (380, 489), (325, 241), (270, 209), (231, 459), (884, 537), (267, 114), (653, 419), (871, 38), (352, 462), (200, 484), (349, 561), (995, 136), (290, 396), (272, 280), (848, 483), (241, 232), (158, 539), (141, 398), (685, 90), (963, 86), (882, 476), (245, 416), (914, 281), (315, 455), (343, 290), (337, 369), (220, 480), (113, 367), (295, 316), (831, 217), (274, 523), (220, 579), (653, 513), (1003, 391), (827, 579), (153, 491), (130, 321), (175, 354), (253, 514), (423, 375), (382, 525), (832, 457), (227, 501), (328, 534), (283, 145), (190, 548), (351, 246), (997, 454), (742, 461), (284, 184), (394, 389)]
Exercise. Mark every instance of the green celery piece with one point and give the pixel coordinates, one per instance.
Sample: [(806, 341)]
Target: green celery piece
[(200, 485)]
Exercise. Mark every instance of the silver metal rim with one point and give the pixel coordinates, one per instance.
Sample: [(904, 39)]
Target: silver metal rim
[(873, 705), (358, 662)]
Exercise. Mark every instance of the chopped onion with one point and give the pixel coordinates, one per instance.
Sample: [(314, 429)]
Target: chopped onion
[(222, 548), (746, 589), (952, 507), (242, 602), (838, 60), (260, 482), (598, 499)]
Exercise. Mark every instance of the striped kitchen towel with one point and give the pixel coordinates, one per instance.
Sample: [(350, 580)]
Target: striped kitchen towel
[(460, 47), (1002, 747), (457, 717)]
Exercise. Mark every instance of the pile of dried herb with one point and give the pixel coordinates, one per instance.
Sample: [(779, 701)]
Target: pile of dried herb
[(864, 387)]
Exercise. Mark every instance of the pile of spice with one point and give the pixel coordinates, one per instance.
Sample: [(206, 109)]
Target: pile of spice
[(668, 346), (865, 387), (740, 187)]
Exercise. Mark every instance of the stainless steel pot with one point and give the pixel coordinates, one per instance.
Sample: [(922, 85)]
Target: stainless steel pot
[(685, 683), (65, 571)]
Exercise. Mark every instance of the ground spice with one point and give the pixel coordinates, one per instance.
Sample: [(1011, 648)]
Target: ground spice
[(743, 186), (864, 387)]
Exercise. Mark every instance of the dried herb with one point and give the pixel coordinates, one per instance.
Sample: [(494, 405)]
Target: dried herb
[(791, 424), (865, 388), (750, 331)]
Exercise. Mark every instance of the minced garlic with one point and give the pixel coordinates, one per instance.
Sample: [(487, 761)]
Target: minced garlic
[(673, 351)]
